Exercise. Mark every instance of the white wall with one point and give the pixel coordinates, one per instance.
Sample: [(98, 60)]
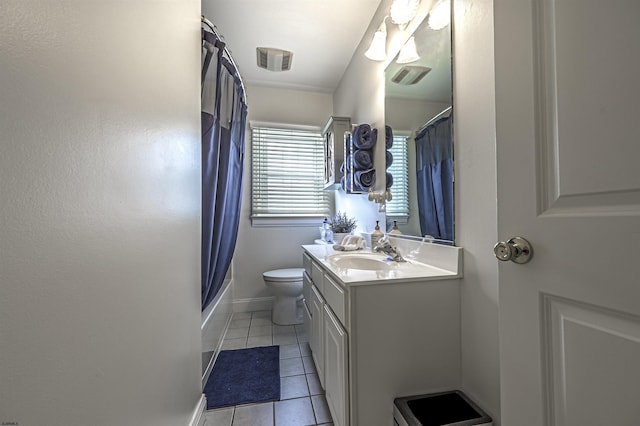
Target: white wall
[(361, 96), (476, 192), (262, 249), (100, 210)]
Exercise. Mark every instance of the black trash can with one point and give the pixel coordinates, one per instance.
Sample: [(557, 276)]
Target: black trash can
[(452, 408)]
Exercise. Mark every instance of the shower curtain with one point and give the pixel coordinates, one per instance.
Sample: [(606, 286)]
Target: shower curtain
[(223, 116), (434, 165)]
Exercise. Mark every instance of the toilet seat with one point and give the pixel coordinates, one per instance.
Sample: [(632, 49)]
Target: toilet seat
[(279, 275)]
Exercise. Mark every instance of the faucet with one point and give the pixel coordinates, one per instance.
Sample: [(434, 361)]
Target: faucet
[(386, 247)]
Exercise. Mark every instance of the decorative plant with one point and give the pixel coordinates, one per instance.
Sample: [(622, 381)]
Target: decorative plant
[(341, 223)]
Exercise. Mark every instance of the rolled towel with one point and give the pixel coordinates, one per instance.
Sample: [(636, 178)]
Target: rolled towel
[(350, 243), (388, 158), (388, 136), (362, 159), (356, 240), (344, 167), (345, 247), (389, 180), (364, 137), (363, 180), (343, 183)]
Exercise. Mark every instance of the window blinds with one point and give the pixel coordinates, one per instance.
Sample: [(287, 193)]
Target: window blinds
[(287, 172), (399, 205)]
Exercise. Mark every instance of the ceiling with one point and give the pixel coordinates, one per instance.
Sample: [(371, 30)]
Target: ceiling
[(322, 34)]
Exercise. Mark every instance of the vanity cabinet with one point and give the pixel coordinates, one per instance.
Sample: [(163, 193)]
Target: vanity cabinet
[(328, 338), (375, 341)]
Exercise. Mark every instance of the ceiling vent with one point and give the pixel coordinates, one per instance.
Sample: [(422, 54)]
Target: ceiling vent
[(274, 59), (410, 74)]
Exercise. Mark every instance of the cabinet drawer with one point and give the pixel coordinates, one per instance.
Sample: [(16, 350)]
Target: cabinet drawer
[(306, 263), (334, 297), (317, 276)]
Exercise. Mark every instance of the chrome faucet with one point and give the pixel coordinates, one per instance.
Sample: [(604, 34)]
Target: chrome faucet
[(386, 247)]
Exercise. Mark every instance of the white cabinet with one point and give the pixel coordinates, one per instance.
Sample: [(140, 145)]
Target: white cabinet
[(328, 338), (333, 135), (375, 341), (336, 362)]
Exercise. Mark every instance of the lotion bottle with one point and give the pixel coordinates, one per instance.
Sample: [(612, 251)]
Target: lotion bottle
[(376, 235), (395, 229)]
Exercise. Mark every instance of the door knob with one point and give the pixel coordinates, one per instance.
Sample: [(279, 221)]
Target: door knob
[(517, 250)]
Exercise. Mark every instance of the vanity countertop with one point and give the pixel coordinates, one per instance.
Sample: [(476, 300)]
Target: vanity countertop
[(410, 271)]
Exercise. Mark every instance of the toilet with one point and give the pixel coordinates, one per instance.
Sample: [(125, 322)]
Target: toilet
[(286, 286)]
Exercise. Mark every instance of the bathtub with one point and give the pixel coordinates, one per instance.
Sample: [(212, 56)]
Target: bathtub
[(215, 320)]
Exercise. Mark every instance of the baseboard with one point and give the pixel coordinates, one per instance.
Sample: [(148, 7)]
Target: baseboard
[(253, 304), (197, 419)]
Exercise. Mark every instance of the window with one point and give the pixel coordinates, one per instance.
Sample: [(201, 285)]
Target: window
[(398, 207), (287, 175)]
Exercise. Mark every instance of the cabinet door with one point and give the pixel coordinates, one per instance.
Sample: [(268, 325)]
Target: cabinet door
[(317, 333), (336, 368)]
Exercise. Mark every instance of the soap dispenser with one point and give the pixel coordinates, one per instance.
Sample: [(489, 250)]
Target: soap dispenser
[(395, 229), (376, 235)]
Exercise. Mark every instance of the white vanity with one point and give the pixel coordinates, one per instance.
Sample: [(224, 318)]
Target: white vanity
[(379, 330)]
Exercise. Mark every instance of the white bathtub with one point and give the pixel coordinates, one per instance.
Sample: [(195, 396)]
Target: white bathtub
[(215, 320)]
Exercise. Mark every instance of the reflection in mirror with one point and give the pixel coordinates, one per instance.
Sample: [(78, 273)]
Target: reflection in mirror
[(418, 110)]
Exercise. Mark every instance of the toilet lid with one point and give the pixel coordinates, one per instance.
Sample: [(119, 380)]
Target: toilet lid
[(291, 274)]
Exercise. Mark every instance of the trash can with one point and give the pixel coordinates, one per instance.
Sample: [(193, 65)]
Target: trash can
[(439, 409)]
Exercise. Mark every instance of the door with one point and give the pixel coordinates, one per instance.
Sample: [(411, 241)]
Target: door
[(568, 147)]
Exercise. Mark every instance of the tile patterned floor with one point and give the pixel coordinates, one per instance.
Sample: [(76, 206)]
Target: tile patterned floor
[(302, 401)]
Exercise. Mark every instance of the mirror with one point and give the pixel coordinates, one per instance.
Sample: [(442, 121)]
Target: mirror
[(418, 107)]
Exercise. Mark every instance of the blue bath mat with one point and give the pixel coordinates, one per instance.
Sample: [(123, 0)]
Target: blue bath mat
[(244, 376)]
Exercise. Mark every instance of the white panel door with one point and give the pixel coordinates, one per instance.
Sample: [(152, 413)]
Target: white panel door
[(568, 146)]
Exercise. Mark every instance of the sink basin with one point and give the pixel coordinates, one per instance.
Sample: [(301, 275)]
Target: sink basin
[(362, 261)]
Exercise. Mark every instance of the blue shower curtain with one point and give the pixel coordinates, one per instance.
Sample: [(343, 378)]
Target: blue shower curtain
[(223, 116), (434, 165)]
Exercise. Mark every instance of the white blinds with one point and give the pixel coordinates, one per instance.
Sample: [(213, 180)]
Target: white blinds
[(287, 172), (399, 205)]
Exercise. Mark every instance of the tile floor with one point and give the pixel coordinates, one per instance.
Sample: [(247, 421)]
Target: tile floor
[(302, 401)]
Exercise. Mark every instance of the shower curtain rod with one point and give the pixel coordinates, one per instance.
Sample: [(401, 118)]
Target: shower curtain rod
[(212, 27), (438, 115)]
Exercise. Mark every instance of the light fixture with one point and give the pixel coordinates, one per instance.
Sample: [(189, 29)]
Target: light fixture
[(378, 49), (403, 11), (408, 53), (440, 15)]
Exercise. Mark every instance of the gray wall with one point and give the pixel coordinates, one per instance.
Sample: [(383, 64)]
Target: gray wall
[(361, 95), (262, 249), (100, 212)]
